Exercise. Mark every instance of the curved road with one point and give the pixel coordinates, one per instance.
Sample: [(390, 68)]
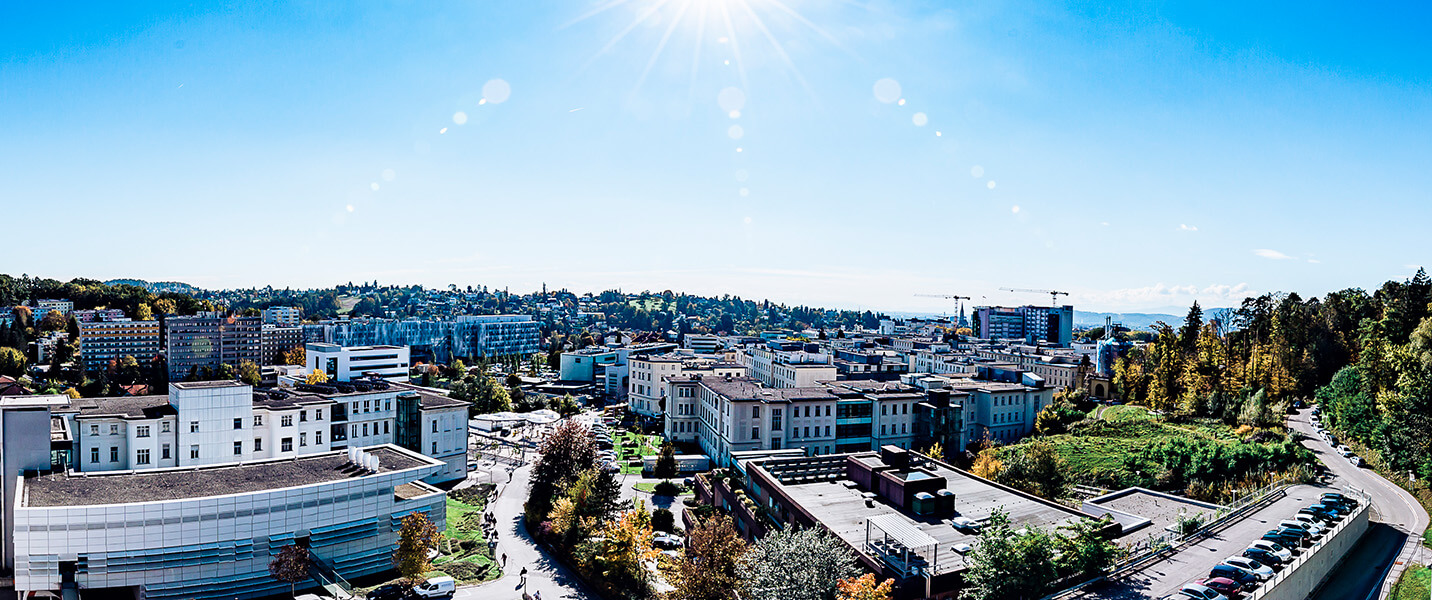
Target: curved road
[(1397, 540)]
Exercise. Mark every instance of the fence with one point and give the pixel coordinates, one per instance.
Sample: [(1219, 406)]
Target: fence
[(1294, 581)]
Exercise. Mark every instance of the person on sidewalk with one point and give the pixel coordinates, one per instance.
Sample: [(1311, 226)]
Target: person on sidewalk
[(524, 576), (504, 560)]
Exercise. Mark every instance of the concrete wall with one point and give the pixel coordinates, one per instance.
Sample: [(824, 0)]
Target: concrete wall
[(1301, 578)]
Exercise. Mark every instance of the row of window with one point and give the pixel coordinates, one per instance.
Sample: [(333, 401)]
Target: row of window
[(141, 456)]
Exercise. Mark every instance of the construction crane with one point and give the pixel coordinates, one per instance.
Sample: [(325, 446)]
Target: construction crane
[(945, 296), (1053, 294)]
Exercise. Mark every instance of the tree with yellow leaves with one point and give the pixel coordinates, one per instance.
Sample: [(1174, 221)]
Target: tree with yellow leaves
[(987, 464), (316, 376), (864, 587), (617, 559)]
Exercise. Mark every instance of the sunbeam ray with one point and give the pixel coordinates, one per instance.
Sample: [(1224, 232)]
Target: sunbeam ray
[(661, 45), (641, 18), (780, 50), (735, 49)]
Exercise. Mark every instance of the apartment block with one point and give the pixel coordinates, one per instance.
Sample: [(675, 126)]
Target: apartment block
[(788, 364), (1033, 324), (648, 374), (40, 308), (283, 316), (105, 341), (440, 339), (209, 340), (275, 340)]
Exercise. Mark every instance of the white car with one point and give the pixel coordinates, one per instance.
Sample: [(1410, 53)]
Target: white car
[(965, 523), (1278, 550), (1345, 451), (1264, 572), (668, 541), (1200, 592), (1314, 531), (1311, 521)]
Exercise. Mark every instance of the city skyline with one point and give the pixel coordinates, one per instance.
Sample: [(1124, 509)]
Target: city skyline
[(1139, 158)]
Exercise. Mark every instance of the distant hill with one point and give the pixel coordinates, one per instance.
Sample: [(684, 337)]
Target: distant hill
[(157, 287), (1130, 320)]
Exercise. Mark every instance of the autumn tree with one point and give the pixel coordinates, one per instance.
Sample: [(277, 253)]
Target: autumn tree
[(143, 313), (291, 566), (315, 377), (249, 372), (864, 587), (566, 453), (619, 555), (12, 362), (708, 569), (416, 541), (987, 464), (53, 321), (795, 564), (296, 356), (935, 451)]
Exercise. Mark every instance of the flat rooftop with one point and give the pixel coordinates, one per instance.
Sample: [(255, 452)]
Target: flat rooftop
[(218, 480), (1162, 510), (840, 506)]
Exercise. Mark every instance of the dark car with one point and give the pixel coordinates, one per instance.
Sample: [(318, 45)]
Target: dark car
[(1222, 585), (391, 591), (1264, 556), (1332, 510), (1302, 535), (1247, 580), (1287, 541), (1339, 499)]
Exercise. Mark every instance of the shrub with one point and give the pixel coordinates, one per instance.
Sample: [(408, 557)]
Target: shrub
[(666, 488), (663, 520)]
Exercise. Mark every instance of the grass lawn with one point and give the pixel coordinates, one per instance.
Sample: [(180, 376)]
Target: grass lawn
[(463, 553), (1427, 538), (1125, 413), (1414, 584), (650, 487), (642, 445)]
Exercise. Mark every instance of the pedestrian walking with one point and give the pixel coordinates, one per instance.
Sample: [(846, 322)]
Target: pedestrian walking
[(504, 560), (524, 575), (537, 595)]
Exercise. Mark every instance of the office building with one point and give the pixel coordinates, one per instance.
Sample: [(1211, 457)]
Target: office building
[(103, 341), (210, 532), (701, 343), (584, 364), (98, 314), (1032, 324), (870, 363), (469, 336), (275, 340), (649, 374), (787, 364), (283, 316), (342, 363), (198, 345)]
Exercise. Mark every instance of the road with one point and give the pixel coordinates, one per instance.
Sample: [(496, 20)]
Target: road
[(1391, 505)]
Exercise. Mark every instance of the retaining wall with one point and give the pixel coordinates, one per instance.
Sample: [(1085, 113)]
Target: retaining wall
[(1299, 579)]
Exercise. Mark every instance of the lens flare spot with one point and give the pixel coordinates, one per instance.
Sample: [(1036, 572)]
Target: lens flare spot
[(937, 134), (920, 119), (349, 207), (482, 102), (742, 175), (459, 117), (389, 174), (1014, 209), (745, 192), (735, 114), (374, 185), (738, 148), (990, 185), (727, 63), (977, 171), (442, 131), (731, 99), (887, 90), (901, 102), (746, 220), (722, 40), (735, 132), (496, 91)]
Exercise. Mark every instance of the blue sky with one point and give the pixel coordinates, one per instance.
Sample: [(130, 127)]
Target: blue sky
[(1138, 155)]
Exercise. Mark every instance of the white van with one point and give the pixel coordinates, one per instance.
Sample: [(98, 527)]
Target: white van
[(436, 587)]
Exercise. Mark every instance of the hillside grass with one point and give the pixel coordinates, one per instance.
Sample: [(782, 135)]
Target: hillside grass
[(1414, 584)]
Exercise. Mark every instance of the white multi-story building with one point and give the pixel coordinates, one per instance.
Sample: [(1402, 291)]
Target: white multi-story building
[(345, 363), (39, 308), (787, 364), (648, 375), (283, 316), (701, 343)]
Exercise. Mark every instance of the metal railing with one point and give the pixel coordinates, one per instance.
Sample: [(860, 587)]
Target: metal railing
[(1289, 567)]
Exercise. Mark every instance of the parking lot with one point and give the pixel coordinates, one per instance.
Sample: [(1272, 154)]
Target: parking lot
[(1193, 562)]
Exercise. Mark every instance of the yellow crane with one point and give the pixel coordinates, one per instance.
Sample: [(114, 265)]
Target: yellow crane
[(1053, 294)]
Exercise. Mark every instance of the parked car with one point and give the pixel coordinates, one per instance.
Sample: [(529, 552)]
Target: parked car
[(1314, 531), (1290, 542), (391, 591), (1222, 585), (1266, 557), (1263, 571), (1339, 499), (436, 587), (1355, 460), (1322, 511), (1200, 592), (1244, 577), (1312, 520), (1283, 553), (1345, 451), (1302, 535), (667, 541)]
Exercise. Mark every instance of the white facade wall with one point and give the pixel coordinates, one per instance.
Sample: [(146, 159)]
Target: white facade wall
[(208, 415), (371, 418), (444, 438)]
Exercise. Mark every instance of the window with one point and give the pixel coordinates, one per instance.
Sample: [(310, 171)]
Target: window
[(193, 427), (882, 410), (355, 406), (318, 414), (435, 425), (141, 431), (302, 439), (435, 448), (94, 429), (390, 405), (827, 410), (114, 454), (905, 408), (807, 411), (164, 452), (355, 430), (904, 428), (164, 427), (367, 406), (318, 438), (94, 455), (286, 421), (258, 444), (385, 427), (114, 429), (194, 452), (302, 416), (238, 423), (365, 430), (258, 420), (755, 433), (141, 457), (807, 431), (238, 448), (285, 445), (827, 432), (755, 412)]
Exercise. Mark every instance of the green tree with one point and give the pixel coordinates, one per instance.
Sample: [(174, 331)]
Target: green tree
[(53, 321), (417, 539), (12, 362), (1006, 564), (708, 568), (249, 372), (290, 566), (1036, 468), (459, 369), (666, 462), (567, 452), (795, 564)]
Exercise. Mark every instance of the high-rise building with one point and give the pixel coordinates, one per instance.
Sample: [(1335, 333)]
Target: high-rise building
[(1033, 324), (283, 316), (440, 339), (210, 340), (275, 340), (103, 341)]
